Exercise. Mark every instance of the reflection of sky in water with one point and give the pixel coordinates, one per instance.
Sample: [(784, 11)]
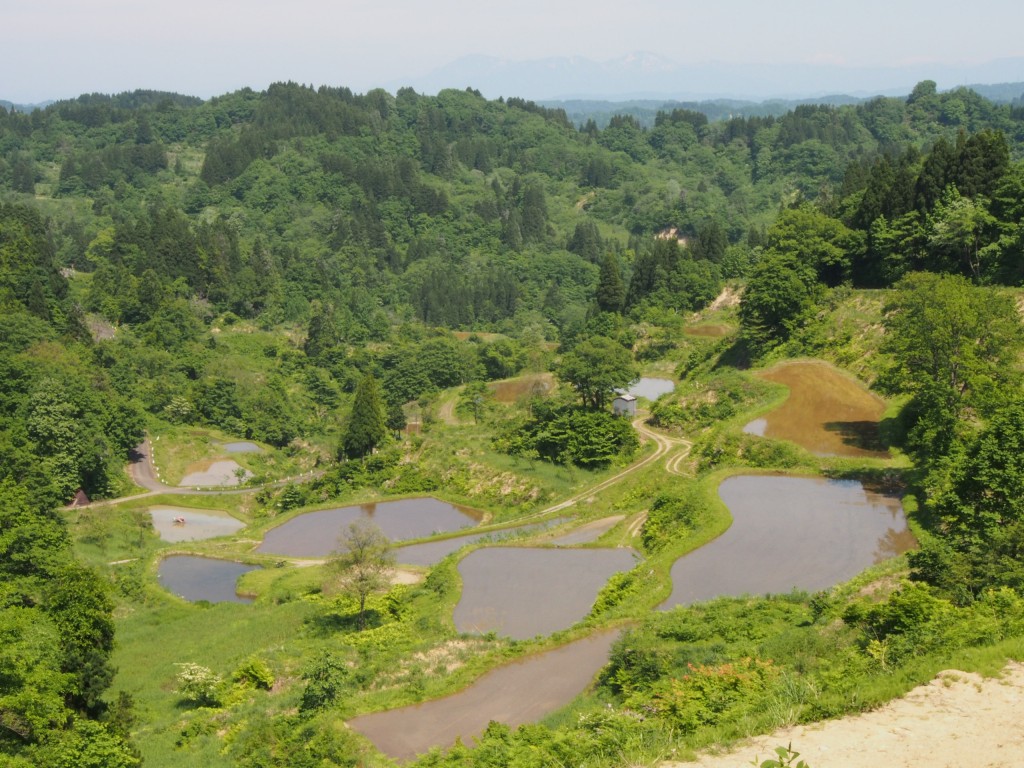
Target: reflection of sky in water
[(652, 389), (789, 533), (218, 472), (315, 534), (432, 552), (587, 532), (242, 446), (521, 592), (199, 524), (203, 578), (756, 427)]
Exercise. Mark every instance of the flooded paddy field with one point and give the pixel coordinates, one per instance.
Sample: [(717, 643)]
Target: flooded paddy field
[(203, 578), (521, 592), (176, 524), (827, 412), (788, 533), (214, 472), (587, 532), (241, 446), (517, 693), (315, 534), (651, 388), (432, 552)]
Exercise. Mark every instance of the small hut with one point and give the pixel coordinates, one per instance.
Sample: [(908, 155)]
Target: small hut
[(624, 405), (80, 500)]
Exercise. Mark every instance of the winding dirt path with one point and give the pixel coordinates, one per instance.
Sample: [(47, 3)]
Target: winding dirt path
[(446, 412), (634, 528), (522, 691), (663, 446), (143, 474)]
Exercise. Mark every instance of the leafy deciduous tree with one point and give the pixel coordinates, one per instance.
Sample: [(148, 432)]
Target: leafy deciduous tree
[(362, 562), (596, 368)]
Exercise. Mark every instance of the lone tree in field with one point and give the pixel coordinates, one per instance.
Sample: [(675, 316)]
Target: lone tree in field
[(596, 368), (367, 425), (362, 562)]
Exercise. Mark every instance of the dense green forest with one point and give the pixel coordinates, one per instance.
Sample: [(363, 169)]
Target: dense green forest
[(318, 271)]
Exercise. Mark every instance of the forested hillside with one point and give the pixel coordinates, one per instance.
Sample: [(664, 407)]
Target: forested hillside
[(346, 278)]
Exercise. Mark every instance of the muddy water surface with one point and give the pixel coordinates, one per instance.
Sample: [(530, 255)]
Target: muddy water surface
[(199, 523), (315, 534), (216, 472), (827, 412), (521, 692), (202, 578), (241, 446), (520, 592), (651, 388), (587, 532), (789, 533), (433, 552)]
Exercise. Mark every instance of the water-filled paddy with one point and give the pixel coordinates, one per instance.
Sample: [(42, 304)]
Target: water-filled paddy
[(215, 472), (789, 533), (198, 523), (520, 692), (202, 578), (827, 412), (587, 532), (432, 552), (315, 534), (651, 388), (241, 446), (521, 592)]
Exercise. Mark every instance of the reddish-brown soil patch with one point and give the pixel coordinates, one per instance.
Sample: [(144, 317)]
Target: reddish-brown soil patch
[(713, 330), (827, 412), (512, 390)]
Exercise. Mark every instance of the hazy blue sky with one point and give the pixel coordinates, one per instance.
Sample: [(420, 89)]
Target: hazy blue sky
[(61, 48)]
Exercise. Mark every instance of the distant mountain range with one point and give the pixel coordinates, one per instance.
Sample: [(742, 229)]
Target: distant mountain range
[(9, 105), (650, 76), (650, 80), (579, 111)]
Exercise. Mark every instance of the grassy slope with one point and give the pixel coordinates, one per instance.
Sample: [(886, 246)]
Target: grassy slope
[(285, 626)]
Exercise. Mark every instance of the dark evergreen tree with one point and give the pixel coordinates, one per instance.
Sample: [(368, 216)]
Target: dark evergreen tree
[(535, 213), (367, 424), (611, 291), (938, 172), (322, 334), (711, 242), (586, 241)]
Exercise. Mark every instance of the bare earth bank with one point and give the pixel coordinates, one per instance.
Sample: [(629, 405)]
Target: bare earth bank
[(958, 719)]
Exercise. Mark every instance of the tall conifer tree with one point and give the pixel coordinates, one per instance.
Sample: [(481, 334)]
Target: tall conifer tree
[(367, 426)]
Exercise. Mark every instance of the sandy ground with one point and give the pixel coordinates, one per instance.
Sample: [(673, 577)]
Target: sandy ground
[(958, 719)]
